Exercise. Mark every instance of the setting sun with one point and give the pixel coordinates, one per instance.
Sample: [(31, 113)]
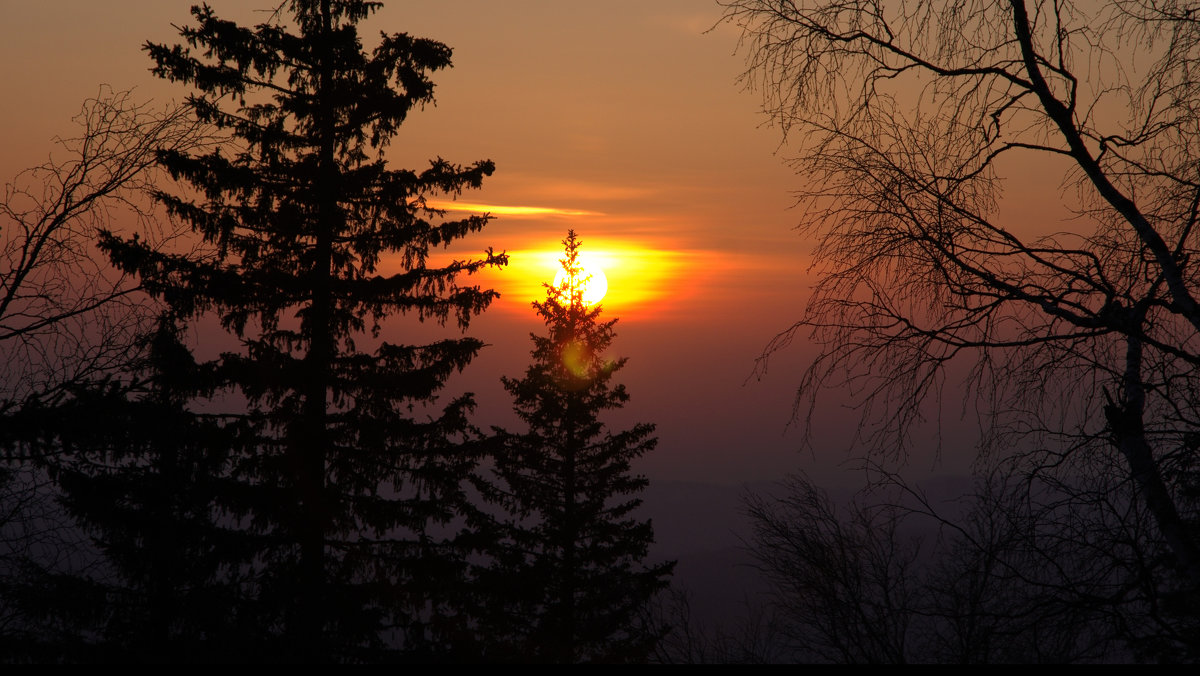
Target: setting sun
[(592, 279)]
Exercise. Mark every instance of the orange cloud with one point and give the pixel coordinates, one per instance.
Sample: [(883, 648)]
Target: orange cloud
[(497, 209)]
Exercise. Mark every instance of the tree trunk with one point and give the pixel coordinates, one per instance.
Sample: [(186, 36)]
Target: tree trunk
[(1125, 422), (320, 350)]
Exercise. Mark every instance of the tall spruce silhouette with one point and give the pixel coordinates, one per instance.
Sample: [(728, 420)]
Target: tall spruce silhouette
[(357, 469), (567, 580)]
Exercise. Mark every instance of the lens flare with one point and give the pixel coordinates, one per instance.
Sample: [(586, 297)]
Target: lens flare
[(577, 358)]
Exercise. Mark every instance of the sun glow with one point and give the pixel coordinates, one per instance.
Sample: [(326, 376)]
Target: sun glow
[(629, 277), (592, 280)]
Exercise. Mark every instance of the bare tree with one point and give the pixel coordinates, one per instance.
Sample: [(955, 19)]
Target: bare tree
[(754, 637), (895, 576), (65, 314), (845, 584), (1082, 335)]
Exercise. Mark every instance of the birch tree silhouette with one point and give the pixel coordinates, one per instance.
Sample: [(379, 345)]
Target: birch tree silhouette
[(1082, 336)]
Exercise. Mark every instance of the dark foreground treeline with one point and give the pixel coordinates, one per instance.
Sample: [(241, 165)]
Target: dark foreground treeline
[(305, 496)]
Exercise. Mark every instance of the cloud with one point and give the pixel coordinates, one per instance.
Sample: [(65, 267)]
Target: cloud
[(508, 210)]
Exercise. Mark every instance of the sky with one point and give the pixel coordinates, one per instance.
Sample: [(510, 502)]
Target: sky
[(620, 119)]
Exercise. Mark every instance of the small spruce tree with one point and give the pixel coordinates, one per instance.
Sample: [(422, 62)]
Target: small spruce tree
[(567, 582)]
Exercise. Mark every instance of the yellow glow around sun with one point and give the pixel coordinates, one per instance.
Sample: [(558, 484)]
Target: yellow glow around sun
[(632, 277), (629, 276), (592, 279)]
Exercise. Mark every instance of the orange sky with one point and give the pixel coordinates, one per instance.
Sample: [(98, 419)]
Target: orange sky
[(620, 119)]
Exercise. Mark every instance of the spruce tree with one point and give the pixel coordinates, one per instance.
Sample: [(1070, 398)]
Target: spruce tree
[(139, 473), (567, 582), (357, 470)]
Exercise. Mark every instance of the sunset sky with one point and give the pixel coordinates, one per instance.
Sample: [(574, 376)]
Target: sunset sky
[(620, 119)]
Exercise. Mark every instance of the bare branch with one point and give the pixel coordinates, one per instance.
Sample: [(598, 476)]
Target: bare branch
[(65, 314)]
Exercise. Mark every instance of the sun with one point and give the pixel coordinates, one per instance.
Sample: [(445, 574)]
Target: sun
[(595, 284)]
